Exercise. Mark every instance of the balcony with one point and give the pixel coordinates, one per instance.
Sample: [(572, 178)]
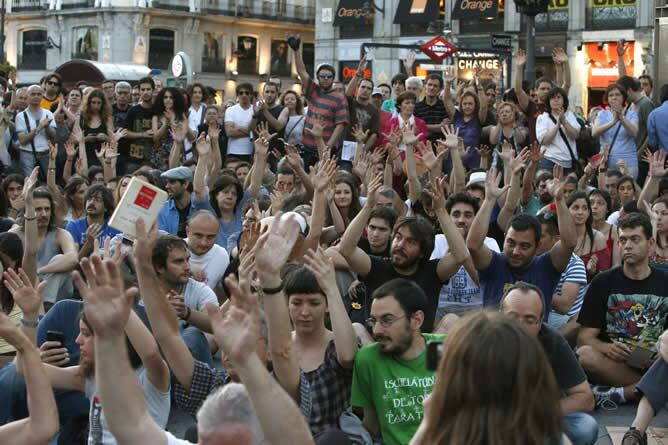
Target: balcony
[(273, 10), (48, 5)]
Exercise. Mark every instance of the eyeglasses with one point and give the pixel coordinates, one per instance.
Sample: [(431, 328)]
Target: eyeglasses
[(244, 93), (326, 76), (52, 83), (385, 321)]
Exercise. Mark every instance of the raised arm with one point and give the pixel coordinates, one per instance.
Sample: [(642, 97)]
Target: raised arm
[(42, 422), (358, 260), (199, 178), (321, 180), (530, 172), (621, 49), (414, 187), (475, 241), (107, 307), (355, 81), (562, 250), (522, 97), (30, 242), (237, 332), (514, 193), (657, 170), (148, 351), (261, 150), (271, 252), (299, 60), (345, 338)]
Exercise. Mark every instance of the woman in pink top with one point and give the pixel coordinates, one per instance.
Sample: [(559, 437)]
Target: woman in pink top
[(405, 106)]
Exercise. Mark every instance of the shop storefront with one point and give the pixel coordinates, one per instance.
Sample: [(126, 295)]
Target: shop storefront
[(601, 58)]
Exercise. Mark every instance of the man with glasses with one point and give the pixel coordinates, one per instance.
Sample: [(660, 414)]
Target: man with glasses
[(622, 316), (52, 87), (524, 302), (240, 120), (390, 377), (35, 127), (325, 103)]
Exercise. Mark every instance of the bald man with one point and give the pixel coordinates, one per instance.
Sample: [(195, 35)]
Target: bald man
[(35, 127), (208, 260), (524, 302)]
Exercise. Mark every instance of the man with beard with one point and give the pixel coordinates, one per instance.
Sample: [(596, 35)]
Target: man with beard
[(54, 247), (412, 243), (188, 297), (390, 377), (362, 113), (518, 261), (269, 110), (137, 145), (207, 259), (52, 86), (325, 102), (177, 210), (99, 202), (151, 371)]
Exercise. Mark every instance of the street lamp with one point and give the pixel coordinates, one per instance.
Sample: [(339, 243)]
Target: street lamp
[(531, 8)]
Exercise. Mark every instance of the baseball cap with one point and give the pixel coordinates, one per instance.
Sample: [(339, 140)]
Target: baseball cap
[(476, 177), (377, 91)]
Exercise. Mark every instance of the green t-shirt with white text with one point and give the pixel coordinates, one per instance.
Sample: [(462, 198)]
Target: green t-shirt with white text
[(394, 388)]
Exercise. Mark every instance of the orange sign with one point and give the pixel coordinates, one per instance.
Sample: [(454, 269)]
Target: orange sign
[(603, 63)]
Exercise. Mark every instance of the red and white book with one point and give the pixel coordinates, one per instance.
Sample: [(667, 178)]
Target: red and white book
[(140, 200)]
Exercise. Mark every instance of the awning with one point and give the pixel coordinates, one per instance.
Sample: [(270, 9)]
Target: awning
[(416, 11), (96, 72)]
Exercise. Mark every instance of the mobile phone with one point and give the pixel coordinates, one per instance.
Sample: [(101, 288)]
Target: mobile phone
[(434, 354), (279, 144), (56, 336), (127, 241), (639, 357)]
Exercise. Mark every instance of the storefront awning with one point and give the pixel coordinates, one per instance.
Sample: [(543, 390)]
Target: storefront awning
[(96, 72), (416, 11)]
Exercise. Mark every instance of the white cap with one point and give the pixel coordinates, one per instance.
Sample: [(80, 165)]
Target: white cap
[(377, 91), (476, 177)]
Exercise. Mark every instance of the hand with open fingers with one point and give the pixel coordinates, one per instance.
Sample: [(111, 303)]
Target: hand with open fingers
[(292, 157), (484, 151), (214, 130), (431, 160), (263, 131), (520, 57), (179, 130), (378, 154), (317, 129), (657, 166), (322, 267), (261, 146), (451, 136), (71, 150), (559, 56), (26, 297), (536, 154), (253, 232), (100, 154), (646, 155), (274, 246), (277, 199), (372, 190), (394, 136), (203, 144), (606, 152), (120, 134), (324, 176), (117, 256), (93, 232), (361, 165), (31, 181), (518, 162), (435, 192), (53, 151), (359, 134), (106, 303), (507, 152), (12, 333), (408, 135), (555, 187), (492, 181), (238, 329)]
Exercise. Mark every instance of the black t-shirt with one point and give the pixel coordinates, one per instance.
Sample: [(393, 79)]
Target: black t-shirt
[(426, 277), (363, 244), (119, 116), (626, 310), (222, 138), (138, 120), (564, 363), (275, 111), (364, 115)]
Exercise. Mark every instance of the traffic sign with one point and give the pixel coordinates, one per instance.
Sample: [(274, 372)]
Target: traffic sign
[(438, 48)]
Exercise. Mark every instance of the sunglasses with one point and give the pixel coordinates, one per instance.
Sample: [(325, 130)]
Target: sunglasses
[(244, 93), (326, 76)]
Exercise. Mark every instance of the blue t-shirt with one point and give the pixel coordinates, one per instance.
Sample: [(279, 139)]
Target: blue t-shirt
[(499, 275), (79, 227), (469, 131), (625, 144)]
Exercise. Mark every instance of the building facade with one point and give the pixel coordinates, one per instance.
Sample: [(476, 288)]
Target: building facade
[(587, 29), (228, 41)]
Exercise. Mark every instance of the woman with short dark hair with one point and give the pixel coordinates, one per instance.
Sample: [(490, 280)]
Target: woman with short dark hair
[(556, 130)]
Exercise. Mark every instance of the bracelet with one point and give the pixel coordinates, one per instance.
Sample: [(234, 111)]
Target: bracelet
[(30, 219), (272, 290), (29, 323)]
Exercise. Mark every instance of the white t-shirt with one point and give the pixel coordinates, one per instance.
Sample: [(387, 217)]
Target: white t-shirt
[(213, 263), (41, 141), (157, 404), (194, 119), (557, 150), (614, 217), (171, 440), (460, 292), (240, 118), (196, 295)]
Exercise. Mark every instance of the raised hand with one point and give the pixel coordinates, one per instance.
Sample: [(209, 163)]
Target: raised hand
[(555, 188), (451, 136), (429, 159), (657, 164), (237, 330), (378, 154), (214, 130), (323, 268), (293, 157), (621, 47), (178, 304), (317, 129), (361, 165), (535, 154), (26, 297), (520, 57), (203, 144), (277, 199), (507, 152), (408, 135), (517, 163), (120, 134), (53, 151), (359, 134), (372, 190), (559, 56), (492, 181), (106, 304), (606, 153), (623, 168), (274, 246), (263, 131), (144, 242), (12, 333), (101, 153), (179, 131), (435, 191), (261, 146)]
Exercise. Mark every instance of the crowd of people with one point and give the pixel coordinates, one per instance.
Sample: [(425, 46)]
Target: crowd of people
[(433, 261)]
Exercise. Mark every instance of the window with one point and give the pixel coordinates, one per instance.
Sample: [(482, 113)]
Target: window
[(246, 55), (280, 65), (611, 17), (85, 43), (213, 59), (160, 48), (33, 50), (308, 54)]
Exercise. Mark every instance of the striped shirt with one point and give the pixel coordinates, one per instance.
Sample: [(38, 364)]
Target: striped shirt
[(575, 273), (331, 105), (431, 114)]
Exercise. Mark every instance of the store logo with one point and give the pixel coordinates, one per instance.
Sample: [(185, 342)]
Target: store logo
[(418, 6), (438, 48), (606, 3), (476, 5)]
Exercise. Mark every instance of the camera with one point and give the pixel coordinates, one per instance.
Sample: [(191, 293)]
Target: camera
[(434, 354)]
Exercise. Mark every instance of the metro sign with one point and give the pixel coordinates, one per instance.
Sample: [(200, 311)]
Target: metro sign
[(438, 48)]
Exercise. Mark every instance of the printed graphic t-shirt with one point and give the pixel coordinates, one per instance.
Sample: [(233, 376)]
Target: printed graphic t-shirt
[(394, 388), (626, 310)]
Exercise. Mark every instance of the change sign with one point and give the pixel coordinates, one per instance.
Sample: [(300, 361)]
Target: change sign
[(438, 48)]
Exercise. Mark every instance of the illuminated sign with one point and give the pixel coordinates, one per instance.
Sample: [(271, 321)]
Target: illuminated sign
[(438, 48)]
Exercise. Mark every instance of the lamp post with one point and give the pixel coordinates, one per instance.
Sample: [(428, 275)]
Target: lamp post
[(2, 33), (531, 8)]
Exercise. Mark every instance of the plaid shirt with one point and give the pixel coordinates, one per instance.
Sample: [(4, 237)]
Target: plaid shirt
[(206, 380), (330, 391)]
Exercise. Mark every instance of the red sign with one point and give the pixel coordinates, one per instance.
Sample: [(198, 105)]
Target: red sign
[(438, 48), (145, 197)]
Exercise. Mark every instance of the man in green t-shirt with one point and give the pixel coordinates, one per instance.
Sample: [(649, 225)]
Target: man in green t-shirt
[(390, 377)]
